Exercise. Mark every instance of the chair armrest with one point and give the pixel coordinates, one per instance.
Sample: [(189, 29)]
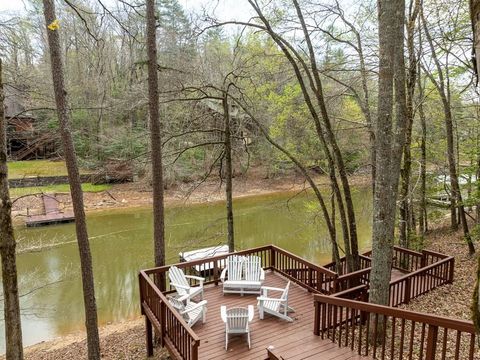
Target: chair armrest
[(197, 305), (180, 286), (198, 278), (223, 274), (184, 297), (251, 312), (271, 288), (223, 313), (264, 298)]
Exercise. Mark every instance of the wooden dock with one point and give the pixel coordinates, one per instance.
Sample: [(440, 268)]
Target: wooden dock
[(52, 214)]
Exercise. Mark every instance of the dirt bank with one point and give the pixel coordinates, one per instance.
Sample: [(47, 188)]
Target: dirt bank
[(140, 193)]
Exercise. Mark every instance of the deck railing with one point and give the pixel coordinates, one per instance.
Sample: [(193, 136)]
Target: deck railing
[(421, 281), (183, 343), (399, 334), (173, 331)]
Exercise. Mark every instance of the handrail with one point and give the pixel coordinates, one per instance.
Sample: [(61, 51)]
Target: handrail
[(437, 320), (386, 332), (172, 329), (423, 269), (312, 265)]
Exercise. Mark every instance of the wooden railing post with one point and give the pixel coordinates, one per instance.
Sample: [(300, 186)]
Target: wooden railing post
[(194, 350), (451, 272), (141, 287), (431, 342), (149, 337), (408, 290), (272, 258), (316, 319), (163, 321), (215, 272), (423, 260)]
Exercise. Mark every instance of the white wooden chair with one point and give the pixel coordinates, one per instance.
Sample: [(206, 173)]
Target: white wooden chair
[(245, 275), (179, 280), (234, 270), (237, 321), (192, 312), (275, 306)]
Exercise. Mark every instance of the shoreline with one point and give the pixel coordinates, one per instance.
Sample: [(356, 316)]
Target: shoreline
[(139, 194)]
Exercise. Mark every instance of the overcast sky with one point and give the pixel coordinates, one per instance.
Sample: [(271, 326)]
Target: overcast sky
[(225, 9)]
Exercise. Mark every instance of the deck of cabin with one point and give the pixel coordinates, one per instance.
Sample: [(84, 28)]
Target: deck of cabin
[(295, 339), (331, 318)]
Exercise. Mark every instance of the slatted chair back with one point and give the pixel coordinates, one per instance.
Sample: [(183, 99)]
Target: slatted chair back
[(284, 295), (237, 320), (177, 277), (253, 268), (235, 267)]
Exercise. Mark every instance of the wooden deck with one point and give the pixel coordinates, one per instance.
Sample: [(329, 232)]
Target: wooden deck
[(289, 340), (328, 307), (52, 214)]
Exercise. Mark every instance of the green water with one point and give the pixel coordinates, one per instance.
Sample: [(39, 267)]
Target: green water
[(121, 244)]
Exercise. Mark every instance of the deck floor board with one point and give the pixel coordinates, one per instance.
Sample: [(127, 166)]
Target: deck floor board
[(291, 340)]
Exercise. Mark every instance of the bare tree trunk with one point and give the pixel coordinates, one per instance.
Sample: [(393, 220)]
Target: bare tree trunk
[(61, 101), (456, 195), (228, 171), (156, 141), (328, 219), (389, 142), (422, 214), (405, 223), (11, 306)]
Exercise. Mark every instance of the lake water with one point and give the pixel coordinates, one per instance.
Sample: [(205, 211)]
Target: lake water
[(121, 244)]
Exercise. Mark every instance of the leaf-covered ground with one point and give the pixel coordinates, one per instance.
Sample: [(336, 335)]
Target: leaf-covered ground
[(124, 341), (450, 300)]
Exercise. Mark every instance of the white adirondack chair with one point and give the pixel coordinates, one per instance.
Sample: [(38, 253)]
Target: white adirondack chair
[(179, 280), (192, 312), (254, 273), (237, 321), (234, 269), (275, 306), (245, 275)]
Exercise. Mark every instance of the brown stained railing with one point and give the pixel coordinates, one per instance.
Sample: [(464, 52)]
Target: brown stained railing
[(399, 334), (421, 281), (360, 277), (182, 342), (173, 331), (406, 259), (304, 273)]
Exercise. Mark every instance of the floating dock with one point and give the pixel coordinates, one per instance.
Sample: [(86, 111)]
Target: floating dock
[(52, 214), (202, 254)]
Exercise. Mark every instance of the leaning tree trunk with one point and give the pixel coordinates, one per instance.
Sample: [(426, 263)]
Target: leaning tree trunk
[(228, 174), (389, 143), (156, 141), (422, 211), (61, 101), (11, 304), (405, 208)]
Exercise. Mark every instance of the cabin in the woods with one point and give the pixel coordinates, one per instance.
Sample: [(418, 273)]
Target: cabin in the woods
[(25, 139)]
